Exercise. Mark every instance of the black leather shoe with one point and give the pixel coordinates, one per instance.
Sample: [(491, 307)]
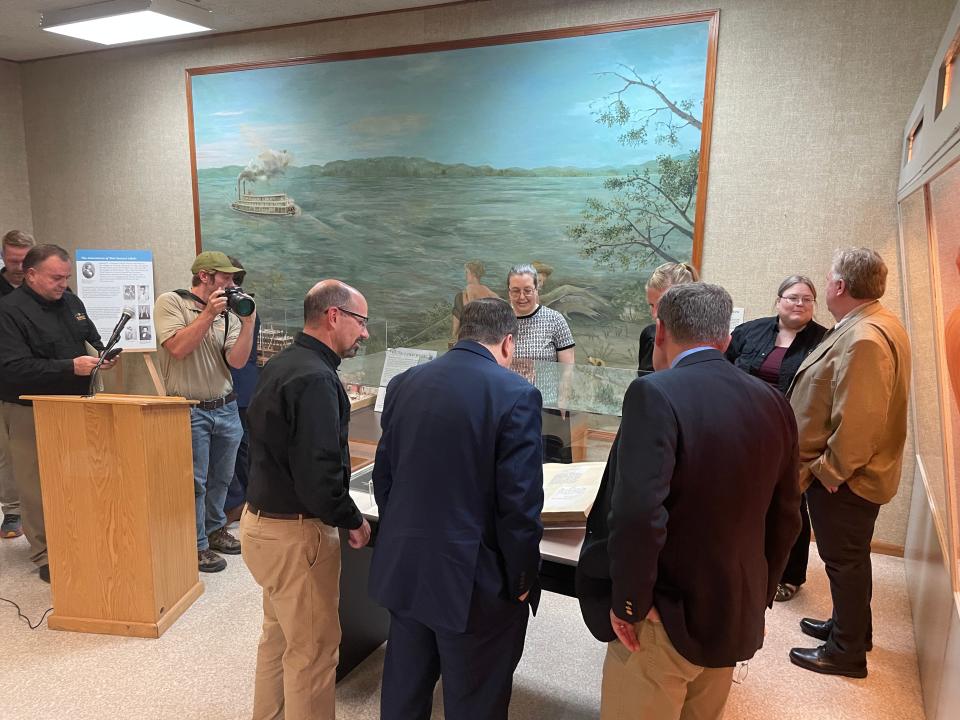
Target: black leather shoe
[(817, 660), (44, 573), (820, 629)]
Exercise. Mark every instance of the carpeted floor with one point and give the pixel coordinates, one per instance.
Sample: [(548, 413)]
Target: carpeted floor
[(202, 668)]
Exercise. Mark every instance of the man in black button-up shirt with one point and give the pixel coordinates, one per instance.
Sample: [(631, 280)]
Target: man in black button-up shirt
[(43, 331), (297, 497)]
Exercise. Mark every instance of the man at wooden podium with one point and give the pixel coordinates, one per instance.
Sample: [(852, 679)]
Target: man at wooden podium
[(44, 329)]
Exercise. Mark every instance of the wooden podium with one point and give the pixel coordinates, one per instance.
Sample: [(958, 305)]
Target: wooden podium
[(117, 478)]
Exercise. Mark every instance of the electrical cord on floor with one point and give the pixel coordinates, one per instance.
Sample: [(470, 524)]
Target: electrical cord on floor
[(20, 614)]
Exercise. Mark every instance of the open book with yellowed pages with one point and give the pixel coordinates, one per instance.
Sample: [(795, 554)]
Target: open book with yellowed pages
[(569, 491)]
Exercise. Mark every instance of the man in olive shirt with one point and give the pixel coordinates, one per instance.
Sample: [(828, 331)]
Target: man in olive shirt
[(200, 340), (298, 495), (44, 330), (16, 244)]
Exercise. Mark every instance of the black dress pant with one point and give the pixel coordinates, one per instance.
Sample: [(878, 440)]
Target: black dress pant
[(795, 573), (477, 668), (843, 522)]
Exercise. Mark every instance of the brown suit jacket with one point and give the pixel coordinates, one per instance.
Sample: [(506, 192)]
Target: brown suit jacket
[(850, 399)]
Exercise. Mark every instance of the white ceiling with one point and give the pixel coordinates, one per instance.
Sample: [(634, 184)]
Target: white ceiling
[(21, 37)]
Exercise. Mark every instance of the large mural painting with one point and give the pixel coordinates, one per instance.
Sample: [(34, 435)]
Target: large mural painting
[(416, 171)]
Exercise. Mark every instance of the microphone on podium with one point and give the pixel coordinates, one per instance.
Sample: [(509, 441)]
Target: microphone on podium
[(125, 316)]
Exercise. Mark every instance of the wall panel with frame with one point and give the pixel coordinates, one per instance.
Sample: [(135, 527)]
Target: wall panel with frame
[(929, 209)]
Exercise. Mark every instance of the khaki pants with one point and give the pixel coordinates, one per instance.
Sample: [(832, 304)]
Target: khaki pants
[(18, 423), (657, 683), (9, 495), (297, 563)]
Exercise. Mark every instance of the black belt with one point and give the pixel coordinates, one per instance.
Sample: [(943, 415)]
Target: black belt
[(216, 403), (279, 516)]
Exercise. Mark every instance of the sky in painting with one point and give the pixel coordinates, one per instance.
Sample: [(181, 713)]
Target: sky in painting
[(524, 105)]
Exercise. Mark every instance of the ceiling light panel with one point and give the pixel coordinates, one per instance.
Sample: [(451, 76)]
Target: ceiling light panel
[(124, 21)]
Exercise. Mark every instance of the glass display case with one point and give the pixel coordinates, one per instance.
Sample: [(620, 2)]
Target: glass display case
[(581, 408), (581, 415)]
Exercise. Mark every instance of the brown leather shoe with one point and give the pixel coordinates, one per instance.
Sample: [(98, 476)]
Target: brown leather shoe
[(209, 562), (223, 542)]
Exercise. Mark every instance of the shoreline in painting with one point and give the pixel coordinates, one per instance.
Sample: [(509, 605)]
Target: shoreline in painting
[(581, 153), (403, 242)]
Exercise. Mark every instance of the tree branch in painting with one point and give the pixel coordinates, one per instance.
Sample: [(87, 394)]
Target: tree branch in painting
[(651, 208)]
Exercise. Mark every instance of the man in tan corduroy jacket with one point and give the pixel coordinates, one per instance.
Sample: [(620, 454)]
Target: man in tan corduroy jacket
[(850, 399)]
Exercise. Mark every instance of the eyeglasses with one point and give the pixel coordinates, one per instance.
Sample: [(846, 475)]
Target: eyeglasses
[(799, 299), (362, 319), (526, 292)]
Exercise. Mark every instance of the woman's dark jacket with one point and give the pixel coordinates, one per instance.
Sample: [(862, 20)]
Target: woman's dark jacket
[(752, 341), (645, 351)]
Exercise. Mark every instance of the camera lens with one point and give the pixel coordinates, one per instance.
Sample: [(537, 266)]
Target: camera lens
[(238, 301)]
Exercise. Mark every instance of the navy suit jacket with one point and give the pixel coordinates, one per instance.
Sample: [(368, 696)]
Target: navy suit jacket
[(458, 480), (697, 510)]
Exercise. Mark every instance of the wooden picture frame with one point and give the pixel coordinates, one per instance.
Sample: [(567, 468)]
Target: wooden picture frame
[(586, 301)]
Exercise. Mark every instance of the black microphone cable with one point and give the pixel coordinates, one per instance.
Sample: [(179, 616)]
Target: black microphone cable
[(21, 615)]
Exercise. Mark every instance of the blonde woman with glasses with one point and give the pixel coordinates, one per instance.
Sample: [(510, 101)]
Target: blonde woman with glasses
[(772, 348)]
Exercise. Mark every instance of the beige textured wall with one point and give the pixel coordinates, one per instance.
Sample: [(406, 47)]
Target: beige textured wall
[(14, 184), (811, 99)]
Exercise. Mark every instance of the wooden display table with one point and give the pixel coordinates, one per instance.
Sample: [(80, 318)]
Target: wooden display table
[(116, 473)]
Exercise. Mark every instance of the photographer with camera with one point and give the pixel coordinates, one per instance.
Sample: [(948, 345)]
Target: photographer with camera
[(203, 332)]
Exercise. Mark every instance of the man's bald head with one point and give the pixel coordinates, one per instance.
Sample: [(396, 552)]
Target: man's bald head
[(336, 314), (323, 296)]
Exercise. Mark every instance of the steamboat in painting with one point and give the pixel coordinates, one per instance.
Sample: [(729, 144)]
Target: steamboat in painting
[(277, 204)]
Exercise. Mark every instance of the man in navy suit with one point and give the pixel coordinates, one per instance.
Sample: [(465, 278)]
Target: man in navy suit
[(696, 514), (458, 481)]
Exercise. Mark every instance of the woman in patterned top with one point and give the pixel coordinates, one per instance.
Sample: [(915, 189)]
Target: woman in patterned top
[(542, 334)]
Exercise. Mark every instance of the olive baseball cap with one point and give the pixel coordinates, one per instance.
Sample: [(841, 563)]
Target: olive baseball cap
[(213, 260)]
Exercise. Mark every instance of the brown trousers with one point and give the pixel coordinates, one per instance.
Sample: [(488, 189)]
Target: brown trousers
[(297, 563), (658, 683), (21, 433)]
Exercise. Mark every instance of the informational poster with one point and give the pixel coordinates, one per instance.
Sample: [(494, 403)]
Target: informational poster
[(397, 361), (736, 318), (109, 281)]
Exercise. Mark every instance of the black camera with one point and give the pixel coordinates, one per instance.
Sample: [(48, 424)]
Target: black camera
[(238, 301)]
